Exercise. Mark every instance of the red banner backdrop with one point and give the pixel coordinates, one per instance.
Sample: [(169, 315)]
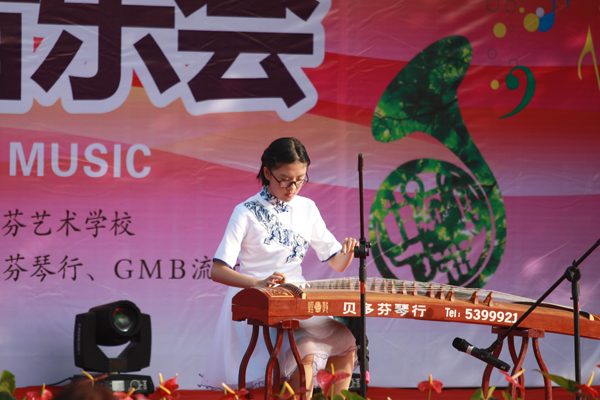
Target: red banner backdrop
[(130, 130)]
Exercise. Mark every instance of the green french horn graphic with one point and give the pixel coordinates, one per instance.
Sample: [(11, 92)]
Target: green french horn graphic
[(446, 220)]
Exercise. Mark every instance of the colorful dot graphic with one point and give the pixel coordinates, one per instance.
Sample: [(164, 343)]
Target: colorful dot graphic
[(499, 30), (531, 22)]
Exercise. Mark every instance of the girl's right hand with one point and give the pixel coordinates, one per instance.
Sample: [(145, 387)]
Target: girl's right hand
[(276, 278)]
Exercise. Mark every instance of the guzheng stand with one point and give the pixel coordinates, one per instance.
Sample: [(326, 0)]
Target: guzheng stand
[(573, 275), (525, 335), (272, 381)]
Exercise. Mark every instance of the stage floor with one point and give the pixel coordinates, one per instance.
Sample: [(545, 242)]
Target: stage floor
[(373, 393)]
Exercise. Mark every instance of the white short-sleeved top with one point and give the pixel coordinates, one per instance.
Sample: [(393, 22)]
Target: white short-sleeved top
[(267, 235)]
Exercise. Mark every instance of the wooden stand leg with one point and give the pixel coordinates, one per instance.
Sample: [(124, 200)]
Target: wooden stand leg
[(518, 362), (277, 376), (485, 381), (542, 365), (246, 359), (301, 371), (271, 363)]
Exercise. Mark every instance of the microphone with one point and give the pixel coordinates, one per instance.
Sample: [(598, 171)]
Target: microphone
[(484, 355)]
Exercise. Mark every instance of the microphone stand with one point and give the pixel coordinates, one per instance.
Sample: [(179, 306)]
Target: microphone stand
[(572, 274), (362, 252)]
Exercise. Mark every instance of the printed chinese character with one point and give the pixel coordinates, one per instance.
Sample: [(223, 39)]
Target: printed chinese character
[(384, 308), (418, 309), (39, 220), (10, 57), (95, 219), (350, 308), (110, 18), (14, 268), (226, 47), (368, 308), (250, 9), (41, 262), (73, 265), (202, 270), (256, 67), (13, 224), (121, 225), (67, 224), (401, 309)]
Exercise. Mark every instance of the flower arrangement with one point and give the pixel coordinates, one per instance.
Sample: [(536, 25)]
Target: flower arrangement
[(166, 389)]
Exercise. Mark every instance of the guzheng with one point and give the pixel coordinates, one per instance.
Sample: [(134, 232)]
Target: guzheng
[(389, 298)]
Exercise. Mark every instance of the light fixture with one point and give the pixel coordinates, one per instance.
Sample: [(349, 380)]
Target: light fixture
[(115, 324)]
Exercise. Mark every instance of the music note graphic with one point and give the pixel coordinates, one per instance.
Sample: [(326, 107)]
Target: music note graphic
[(547, 21), (588, 48), (512, 82)]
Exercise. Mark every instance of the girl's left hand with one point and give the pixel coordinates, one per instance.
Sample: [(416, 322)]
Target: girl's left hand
[(348, 245)]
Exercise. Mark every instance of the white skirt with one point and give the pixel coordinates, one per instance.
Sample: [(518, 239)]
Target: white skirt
[(322, 337)]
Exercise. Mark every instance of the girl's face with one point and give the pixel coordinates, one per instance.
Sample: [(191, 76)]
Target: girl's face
[(296, 171)]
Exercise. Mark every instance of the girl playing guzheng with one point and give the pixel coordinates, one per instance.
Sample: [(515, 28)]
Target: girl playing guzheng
[(270, 234)]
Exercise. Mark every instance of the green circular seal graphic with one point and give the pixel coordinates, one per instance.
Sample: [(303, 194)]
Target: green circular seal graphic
[(431, 216)]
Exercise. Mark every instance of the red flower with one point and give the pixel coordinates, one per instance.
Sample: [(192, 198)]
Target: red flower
[(587, 390), (431, 384), (231, 394), (128, 395), (166, 389), (45, 394), (513, 379), (326, 379)]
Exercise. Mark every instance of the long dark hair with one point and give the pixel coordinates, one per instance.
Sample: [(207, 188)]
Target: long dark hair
[(282, 151)]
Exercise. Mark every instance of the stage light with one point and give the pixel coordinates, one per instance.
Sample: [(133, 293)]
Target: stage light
[(115, 324)]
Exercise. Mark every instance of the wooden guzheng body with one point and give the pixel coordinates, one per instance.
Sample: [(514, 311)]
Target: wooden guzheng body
[(405, 299)]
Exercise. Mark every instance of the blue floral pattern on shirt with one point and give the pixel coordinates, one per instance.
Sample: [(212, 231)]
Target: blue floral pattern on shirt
[(277, 232), (279, 206)]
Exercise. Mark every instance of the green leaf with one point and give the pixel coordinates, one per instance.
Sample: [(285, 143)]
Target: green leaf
[(506, 396), (7, 382), (352, 396), (478, 395), (337, 397), (490, 392), (6, 396), (564, 383)]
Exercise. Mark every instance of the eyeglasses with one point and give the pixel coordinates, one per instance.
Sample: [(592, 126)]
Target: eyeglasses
[(287, 184)]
